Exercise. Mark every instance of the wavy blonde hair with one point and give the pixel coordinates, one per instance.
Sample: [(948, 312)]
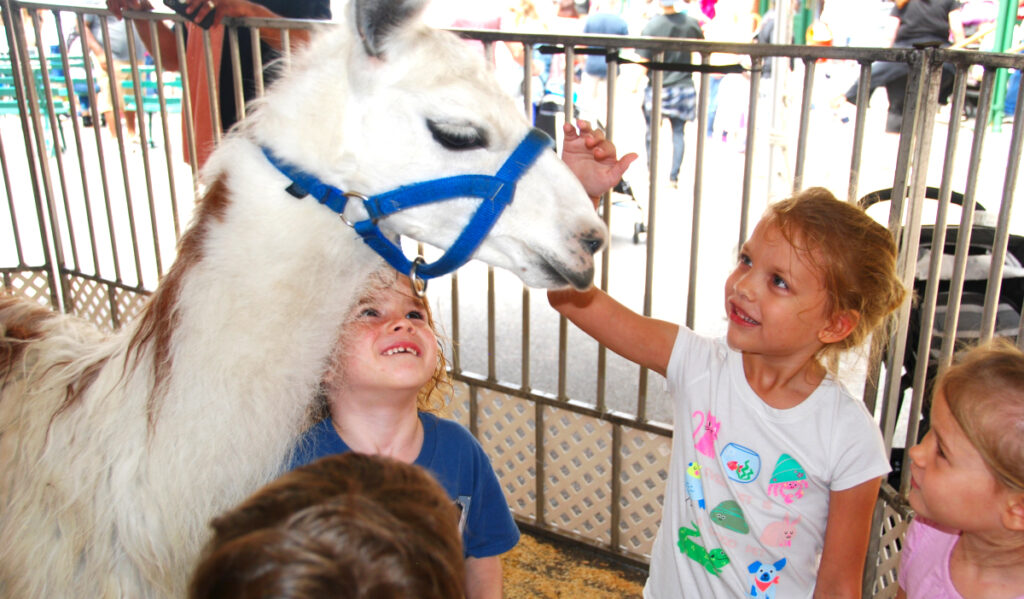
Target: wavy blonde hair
[(855, 255)]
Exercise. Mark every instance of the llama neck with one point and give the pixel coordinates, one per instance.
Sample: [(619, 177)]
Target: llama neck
[(260, 296)]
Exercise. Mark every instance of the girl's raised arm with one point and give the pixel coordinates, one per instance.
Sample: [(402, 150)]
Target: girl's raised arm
[(646, 341)]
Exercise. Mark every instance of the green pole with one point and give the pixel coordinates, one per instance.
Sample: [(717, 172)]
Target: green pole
[(1005, 21), (801, 20)]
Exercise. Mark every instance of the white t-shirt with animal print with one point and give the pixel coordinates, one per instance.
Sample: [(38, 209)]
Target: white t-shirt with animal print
[(746, 500)]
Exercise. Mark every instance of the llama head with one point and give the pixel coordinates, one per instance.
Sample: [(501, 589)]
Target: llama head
[(380, 100)]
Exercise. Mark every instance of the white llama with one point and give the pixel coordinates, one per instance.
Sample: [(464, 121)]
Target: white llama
[(115, 452)]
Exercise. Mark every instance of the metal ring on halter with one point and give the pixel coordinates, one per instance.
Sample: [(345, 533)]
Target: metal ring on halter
[(350, 195), (419, 286)]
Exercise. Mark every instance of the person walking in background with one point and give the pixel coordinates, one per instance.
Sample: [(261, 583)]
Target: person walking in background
[(566, 21), (678, 95), (604, 19), (913, 22), (93, 38)]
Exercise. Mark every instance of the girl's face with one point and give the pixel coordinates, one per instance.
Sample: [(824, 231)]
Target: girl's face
[(774, 299), (950, 483), (387, 342)]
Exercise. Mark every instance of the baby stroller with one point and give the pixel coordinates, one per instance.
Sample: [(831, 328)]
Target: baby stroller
[(972, 299), (622, 188)]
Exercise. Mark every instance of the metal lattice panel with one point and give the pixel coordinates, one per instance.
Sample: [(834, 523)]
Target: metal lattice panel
[(577, 485), (894, 526), (30, 284), (645, 458), (129, 305), (90, 300)]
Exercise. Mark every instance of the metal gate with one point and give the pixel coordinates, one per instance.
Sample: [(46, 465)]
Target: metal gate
[(578, 436)]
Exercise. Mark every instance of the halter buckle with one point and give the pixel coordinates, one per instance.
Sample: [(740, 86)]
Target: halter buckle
[(419, 285), (349, 195)]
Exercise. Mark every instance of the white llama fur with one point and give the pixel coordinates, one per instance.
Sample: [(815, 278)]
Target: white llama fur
[(197, 403)]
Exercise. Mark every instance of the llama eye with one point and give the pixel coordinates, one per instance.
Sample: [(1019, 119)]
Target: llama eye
[(457, 137)]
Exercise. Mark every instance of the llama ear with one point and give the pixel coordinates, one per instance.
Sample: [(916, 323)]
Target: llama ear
[(375, 20)]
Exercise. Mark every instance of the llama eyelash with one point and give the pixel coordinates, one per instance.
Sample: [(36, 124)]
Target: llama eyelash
[(457, 137)]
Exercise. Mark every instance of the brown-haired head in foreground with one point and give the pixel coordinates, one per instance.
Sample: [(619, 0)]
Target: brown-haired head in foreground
[(855, 255), (347, 526), (985, 393)]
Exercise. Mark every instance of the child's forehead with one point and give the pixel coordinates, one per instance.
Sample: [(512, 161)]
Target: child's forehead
[(397, 291)]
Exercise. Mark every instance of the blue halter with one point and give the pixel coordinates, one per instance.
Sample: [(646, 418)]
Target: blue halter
[(496, 192)]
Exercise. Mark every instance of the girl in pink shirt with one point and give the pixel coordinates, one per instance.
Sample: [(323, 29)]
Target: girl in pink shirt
[(967, 484)]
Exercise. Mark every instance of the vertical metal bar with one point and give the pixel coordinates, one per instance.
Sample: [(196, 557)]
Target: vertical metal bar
[(810, 65), (144, 144), (748, 158), (652, 211), (456, 346), (286, 44), (236, 72), (616, 491), (528, 81), (474, 411), (100, 157), (257, 60), (491, 328), (158, 68), (863, 91), (83, 177), (963, 240), (927, 305), (1002, 237), (115, 107), (698, 193), (211, 85), (186, 104), (926, 91), (538, 461), (28, 102), (15, 232), (56, 131), (568, 104), (524, 367)]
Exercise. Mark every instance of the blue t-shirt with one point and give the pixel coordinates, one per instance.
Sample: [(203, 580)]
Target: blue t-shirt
[(459, 463)]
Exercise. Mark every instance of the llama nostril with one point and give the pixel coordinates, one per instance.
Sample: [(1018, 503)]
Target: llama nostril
[(592, 244)]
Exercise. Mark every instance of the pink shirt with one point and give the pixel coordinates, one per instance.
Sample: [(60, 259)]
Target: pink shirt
[(924, 562)]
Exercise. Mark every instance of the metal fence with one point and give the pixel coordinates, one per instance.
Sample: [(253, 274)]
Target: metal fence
[(577, 435)]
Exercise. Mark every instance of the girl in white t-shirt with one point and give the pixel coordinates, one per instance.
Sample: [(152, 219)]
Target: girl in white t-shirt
[(775, 467)]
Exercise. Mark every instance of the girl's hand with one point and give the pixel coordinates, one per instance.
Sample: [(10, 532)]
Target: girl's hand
[(592, 159)]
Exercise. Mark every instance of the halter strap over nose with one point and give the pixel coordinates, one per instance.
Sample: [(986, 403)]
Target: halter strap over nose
[(495, 191)]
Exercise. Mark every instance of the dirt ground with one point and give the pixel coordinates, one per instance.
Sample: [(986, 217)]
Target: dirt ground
[(538, 568)]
